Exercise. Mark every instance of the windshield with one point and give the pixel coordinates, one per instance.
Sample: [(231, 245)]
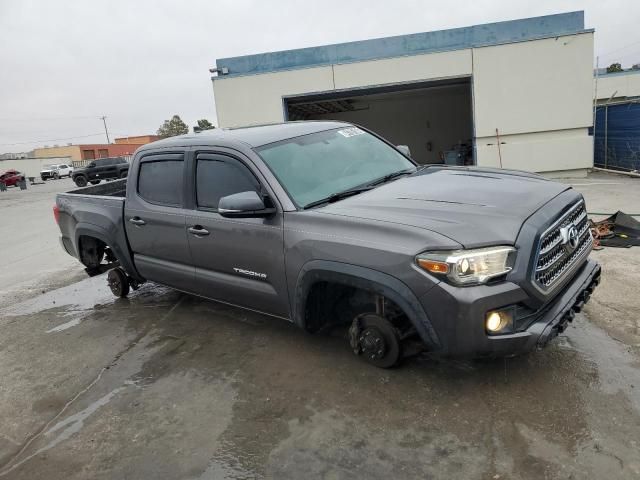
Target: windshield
[(315, 166)]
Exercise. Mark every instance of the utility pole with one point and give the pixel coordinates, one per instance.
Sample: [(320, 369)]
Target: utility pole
[(595, 108), (106, 131)]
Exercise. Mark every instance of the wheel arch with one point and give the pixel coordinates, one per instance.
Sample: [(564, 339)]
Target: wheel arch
[(95, 231), (317, 271)]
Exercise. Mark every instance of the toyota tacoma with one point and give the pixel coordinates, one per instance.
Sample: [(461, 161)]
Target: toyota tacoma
[(326, 224)]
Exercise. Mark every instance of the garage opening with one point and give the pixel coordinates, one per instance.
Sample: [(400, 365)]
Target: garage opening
[(433, 119)]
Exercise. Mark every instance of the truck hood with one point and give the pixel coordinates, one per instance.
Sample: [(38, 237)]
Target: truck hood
[(473, 206)]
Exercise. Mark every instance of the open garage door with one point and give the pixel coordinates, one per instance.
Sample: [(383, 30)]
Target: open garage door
[(434, 119)]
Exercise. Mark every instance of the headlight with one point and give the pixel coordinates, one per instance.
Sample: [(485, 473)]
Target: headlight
[(469, 267)]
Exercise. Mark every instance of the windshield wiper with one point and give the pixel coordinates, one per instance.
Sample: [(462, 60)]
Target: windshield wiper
[(334, 197), (391, 176)]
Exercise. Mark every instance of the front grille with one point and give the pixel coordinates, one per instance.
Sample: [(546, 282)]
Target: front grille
[(555, 256)]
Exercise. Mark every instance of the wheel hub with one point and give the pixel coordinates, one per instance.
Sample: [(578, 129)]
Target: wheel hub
[(373, 343), (114, 284)]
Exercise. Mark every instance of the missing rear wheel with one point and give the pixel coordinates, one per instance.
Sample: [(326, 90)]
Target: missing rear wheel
[(118, 282)]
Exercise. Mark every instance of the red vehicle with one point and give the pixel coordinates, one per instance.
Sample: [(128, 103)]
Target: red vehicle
[(11, 178)]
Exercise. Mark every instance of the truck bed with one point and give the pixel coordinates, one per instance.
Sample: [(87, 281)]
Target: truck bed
[(115, 188), (95, 213)]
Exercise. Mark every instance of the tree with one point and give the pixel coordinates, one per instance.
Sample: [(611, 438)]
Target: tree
[(614, 67), (205, 124), (173, 127)]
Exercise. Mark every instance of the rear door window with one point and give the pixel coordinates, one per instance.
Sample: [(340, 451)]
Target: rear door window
[(160, 179), (218, 176)]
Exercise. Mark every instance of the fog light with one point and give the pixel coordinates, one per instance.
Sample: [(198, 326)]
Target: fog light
[(497, 321)]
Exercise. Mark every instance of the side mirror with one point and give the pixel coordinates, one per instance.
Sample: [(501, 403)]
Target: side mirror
[(243, 204), (404, 149)]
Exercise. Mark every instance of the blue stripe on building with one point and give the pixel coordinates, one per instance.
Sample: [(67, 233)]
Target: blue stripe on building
[(414, 44)]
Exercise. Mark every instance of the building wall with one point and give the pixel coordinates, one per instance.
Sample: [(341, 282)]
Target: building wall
[(85, 151), (537, 93), (413, 68), (139, 139), (618, 86), (91, 151), (257, 99), (72, 151)]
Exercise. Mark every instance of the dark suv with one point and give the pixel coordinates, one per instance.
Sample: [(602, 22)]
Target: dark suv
[(101, 169)]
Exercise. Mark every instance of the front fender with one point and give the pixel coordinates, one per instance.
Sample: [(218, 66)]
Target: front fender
[(366, 279)]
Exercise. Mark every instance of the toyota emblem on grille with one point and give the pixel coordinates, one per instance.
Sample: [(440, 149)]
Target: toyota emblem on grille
[(570, 237)]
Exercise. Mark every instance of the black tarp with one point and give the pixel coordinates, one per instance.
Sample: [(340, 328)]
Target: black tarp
[(618, 230)]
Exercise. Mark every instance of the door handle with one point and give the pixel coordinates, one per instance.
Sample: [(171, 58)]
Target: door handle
[(137, 221), (198, 231)]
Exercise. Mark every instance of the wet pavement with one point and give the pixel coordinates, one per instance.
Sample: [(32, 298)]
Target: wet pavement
[(164, 385), (32, 259)]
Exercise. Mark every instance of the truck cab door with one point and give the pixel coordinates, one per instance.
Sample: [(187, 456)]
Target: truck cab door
[(155, 221), (237, 260)]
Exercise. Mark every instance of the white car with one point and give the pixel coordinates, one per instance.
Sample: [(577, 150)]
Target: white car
[(56, 171)]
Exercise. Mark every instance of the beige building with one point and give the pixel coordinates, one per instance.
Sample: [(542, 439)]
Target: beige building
[(516, 94), (123, 146), (69, 151), (138, 139), (617, 87)]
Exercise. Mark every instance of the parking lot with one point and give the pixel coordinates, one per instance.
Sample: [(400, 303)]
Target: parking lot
[(164, 385)]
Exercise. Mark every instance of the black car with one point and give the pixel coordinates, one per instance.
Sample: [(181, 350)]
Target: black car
[(101, 169)]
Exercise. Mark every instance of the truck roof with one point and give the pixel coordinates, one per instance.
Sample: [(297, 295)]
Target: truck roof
[(254, 136)]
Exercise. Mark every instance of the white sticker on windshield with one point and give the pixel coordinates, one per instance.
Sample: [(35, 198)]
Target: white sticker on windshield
[(350, 132)]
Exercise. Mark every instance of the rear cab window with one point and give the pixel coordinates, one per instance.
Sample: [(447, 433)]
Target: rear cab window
[(160, 179)]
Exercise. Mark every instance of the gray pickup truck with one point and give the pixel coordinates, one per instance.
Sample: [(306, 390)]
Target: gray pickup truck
[(326, 224)]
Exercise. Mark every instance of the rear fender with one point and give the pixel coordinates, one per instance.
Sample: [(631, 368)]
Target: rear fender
[(123, 256)]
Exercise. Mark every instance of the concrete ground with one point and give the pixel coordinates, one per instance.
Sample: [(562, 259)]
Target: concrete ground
[(164, 385), (32, 260)]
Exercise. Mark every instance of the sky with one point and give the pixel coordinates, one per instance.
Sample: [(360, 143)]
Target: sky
[(64, 64)]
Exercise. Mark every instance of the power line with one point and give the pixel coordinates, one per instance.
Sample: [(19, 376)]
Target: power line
[(52, 139), (38, 119), (620, 48)]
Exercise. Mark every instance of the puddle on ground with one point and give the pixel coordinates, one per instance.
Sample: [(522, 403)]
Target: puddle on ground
[(85, 295), (617, 367), (69, 426), (77, 301), (64, 326)]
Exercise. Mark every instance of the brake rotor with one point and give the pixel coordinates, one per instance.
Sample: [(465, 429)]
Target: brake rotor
[(376, 339)]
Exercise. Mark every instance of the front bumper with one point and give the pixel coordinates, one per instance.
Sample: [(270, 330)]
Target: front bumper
[(458, 314), (45, 175)]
